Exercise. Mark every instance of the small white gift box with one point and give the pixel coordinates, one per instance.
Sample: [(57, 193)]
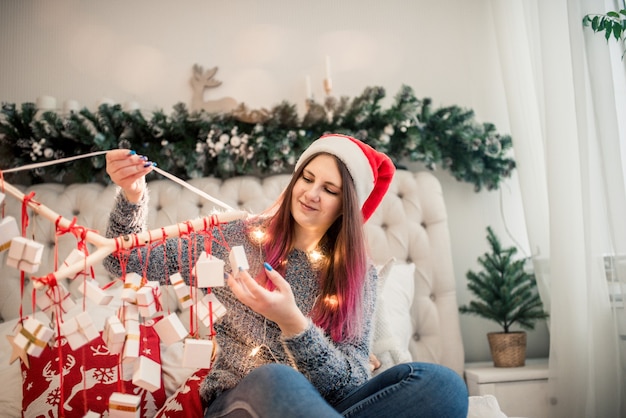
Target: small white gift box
[(238, 259), (130, 316), (26, 249), (76, 256), (33, 337), (131, 344), (208, 305), (170, 329), (132, 283), (89, 288), (55, 296), (23, 265), (147, 374), (197, 354), (79, 330), (8, 231), (124, 405), (209, 271), (25, 254), (114, 334), (147, 298), (182, 291)]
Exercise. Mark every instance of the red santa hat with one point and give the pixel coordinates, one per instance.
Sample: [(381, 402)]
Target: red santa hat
[(371, 171)]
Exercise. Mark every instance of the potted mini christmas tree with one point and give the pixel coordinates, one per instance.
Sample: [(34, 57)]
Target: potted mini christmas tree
[(507, 295)]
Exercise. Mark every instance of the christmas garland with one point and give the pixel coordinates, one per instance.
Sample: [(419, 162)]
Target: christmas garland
[(195, 144)]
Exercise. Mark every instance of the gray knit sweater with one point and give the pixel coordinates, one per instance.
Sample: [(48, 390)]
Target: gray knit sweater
[(335, 369)]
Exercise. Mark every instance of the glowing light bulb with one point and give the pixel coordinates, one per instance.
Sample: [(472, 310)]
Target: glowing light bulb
[(258, 235), (315, 255), (331, 301)]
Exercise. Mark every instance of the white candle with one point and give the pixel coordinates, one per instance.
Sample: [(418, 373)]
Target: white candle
[(46, 103), (327, 67), (309, 92)]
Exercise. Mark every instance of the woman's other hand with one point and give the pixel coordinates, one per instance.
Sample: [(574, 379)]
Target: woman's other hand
[(128, 170), (277, 305)]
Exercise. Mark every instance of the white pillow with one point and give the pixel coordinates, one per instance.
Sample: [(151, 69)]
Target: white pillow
[(393, 326)]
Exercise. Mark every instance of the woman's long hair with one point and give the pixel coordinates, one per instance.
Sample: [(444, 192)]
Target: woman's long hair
[(338, 309)]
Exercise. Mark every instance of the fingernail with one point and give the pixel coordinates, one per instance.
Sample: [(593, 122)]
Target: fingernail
[(154, 164), (225, 275), (132, 152), (267, 266), (148, 164), (143, 157), (240, 268)]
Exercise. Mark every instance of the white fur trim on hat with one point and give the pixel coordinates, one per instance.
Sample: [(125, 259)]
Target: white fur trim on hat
[(351, 155)]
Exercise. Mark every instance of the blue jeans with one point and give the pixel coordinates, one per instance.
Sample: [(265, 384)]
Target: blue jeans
[(405, 390)]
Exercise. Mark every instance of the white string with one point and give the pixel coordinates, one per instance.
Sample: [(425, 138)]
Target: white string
[(192, 188), (96, 153), (53, 162)]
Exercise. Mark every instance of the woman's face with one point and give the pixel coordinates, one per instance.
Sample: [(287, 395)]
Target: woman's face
[(316, 200)]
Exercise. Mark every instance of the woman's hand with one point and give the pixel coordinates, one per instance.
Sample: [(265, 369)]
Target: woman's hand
[(128, 170), (278, 305)]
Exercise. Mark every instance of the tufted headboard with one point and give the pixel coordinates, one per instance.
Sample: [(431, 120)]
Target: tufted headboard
[(410, 226)]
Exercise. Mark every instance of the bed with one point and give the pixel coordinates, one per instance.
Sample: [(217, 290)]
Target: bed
[(417, 315)]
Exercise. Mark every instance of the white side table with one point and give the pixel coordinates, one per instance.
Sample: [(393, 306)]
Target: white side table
[(520, 391)]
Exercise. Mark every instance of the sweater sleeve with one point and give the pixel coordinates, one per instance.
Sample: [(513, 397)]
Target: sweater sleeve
[(157, 262), (335, 369)]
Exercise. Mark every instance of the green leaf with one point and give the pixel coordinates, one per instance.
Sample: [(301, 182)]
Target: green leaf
[(595, 23), (617, 31)]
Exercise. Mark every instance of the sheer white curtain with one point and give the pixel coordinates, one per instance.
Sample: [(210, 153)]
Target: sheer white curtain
[(565, 95)]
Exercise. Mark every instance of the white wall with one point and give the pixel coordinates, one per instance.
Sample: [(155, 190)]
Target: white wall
[(144, 50)]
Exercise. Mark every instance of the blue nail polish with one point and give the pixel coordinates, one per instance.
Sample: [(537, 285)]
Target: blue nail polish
[(154, 164), (240, 268), (225, 275), (148, 164), (132, 152), (267, 266)]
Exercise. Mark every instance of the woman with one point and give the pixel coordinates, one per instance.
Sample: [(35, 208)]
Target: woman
[(295, 340)]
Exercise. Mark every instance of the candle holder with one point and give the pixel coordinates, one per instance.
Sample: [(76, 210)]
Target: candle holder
[(328, 86)]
